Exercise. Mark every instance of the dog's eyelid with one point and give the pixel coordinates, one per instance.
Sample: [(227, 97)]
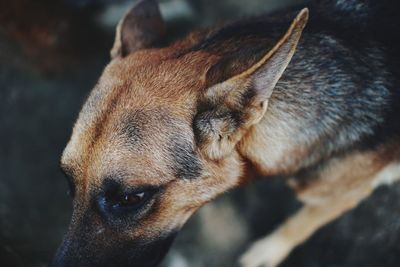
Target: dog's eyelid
[(146, 191), (159, 188), (143, 189), (119, 186)]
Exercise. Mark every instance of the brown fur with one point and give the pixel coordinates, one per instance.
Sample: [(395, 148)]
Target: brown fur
[(334, 189), (168, 118)]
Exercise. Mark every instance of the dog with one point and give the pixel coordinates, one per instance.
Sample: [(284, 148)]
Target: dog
[(168, 128)]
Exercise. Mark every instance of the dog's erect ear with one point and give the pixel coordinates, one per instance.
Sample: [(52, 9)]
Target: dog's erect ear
[(141, 27), (231, 107)]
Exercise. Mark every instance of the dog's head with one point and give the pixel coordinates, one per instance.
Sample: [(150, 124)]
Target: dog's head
[(156, 140)]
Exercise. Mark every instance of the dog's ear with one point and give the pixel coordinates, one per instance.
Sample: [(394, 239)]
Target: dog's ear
[(141, 27), (231, 107)]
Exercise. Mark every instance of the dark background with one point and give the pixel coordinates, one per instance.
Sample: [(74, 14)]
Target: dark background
[(51, 53)]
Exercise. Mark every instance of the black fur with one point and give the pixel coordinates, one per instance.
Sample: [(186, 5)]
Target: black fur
[(186, 164), (110, 249), (100, 236), (132, 127), (341, 90)]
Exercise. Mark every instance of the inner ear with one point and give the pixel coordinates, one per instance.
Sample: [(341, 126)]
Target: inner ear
[(235, 63), (140, 28), (235, 104)]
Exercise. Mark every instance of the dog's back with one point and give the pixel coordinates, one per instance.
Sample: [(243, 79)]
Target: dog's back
[(338, 132), (341, 90)]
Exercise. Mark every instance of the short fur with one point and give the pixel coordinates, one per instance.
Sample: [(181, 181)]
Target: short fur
[(190, 121)]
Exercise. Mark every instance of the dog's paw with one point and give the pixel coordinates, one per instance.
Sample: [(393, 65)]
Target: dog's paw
[(267, 252)]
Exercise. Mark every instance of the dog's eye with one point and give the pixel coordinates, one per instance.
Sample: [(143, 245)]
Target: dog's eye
[(119, 200), (132, 199), (126, 200)]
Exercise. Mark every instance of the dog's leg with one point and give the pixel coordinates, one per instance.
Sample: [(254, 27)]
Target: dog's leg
[(339, 187), (273, 249)]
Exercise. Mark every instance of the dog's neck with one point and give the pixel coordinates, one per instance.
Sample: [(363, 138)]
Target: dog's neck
[(283, 142)]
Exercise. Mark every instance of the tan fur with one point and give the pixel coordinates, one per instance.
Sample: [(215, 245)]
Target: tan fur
[(95, 150), (157, 95), (231, 90), (340, 186)]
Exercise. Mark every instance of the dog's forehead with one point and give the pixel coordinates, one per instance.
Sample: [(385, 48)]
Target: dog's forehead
[(137, 138), (128, 123)]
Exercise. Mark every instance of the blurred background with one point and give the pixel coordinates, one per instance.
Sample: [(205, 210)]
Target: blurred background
[(51, 53)]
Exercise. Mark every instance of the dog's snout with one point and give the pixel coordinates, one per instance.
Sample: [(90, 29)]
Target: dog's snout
[(83, 250), (63, 257)]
